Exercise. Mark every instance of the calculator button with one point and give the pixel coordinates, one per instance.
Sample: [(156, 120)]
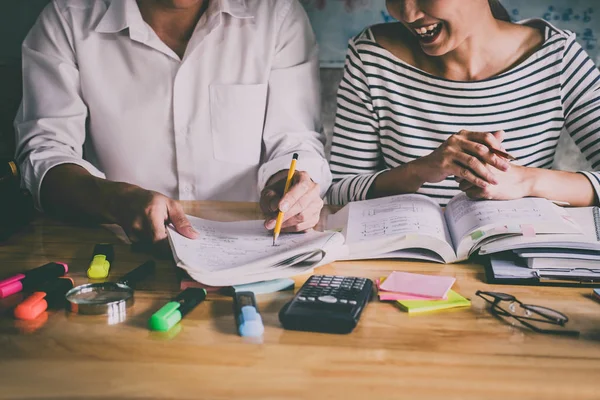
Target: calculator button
[(302, 298), (328, 299), (323, 284), (311, 298), (353, 302), (343, 301)]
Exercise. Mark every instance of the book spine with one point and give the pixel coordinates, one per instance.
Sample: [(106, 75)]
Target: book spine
[(596, 213)]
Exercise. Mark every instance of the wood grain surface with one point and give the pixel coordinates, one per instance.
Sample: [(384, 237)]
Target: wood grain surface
[(458, 354)]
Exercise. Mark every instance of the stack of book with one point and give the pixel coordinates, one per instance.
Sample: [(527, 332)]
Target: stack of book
[(550, 258)]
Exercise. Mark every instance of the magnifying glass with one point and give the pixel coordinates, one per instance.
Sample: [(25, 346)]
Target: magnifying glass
[(112, 298)]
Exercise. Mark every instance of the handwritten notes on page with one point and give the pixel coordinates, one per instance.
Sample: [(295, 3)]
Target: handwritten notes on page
[(395, 216), (231, 250)]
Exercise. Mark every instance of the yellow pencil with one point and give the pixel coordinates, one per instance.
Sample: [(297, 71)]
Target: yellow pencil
[(277, 229)]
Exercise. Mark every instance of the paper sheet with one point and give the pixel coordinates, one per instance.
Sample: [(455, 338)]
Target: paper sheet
[(226, 245)]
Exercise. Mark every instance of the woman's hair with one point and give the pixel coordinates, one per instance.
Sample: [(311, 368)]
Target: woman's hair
[(498, 10)]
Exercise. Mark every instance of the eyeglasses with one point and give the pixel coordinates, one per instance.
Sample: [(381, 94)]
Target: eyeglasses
[(526, 314)]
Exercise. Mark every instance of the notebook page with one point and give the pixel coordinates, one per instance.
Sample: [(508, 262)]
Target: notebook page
[(226, 245)]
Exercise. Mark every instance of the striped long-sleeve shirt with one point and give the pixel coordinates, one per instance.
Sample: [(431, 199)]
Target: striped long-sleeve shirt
[(390, 113)]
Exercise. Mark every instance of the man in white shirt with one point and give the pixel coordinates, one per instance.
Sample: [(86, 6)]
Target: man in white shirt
[(130, 105)]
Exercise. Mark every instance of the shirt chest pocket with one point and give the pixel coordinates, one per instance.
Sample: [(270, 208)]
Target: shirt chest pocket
[(237, 114)]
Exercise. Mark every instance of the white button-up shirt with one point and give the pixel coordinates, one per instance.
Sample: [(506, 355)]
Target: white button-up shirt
[(102, 91)]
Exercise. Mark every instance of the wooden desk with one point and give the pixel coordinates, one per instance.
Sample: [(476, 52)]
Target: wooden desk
[(461, 354)]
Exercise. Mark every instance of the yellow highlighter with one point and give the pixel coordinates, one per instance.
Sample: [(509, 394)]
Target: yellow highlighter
[(102, 258), (279, 221)]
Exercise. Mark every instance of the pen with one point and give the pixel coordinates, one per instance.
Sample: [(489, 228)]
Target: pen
[(51, 294), (288, 182), (502, 154), (172, 312), (102, 258), (32, 279)]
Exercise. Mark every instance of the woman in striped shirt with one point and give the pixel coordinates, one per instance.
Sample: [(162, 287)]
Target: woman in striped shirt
[(424, 100)]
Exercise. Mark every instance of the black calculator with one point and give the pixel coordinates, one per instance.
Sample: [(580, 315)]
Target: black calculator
[(327, 303)]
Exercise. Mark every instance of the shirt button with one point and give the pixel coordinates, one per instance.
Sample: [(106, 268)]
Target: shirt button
[(187, 188), (184, 131)]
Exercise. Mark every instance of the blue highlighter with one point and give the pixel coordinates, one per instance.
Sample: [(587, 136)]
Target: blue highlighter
[(249, 321)]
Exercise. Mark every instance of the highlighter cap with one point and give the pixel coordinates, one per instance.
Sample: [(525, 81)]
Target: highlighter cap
[(11, 286), (32, 306), (51, 294), (165, 318), (103, 256), (250, 322)]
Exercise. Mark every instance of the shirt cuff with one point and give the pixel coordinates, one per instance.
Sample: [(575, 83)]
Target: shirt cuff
[(315, 166), (33, 180), (594, 178)]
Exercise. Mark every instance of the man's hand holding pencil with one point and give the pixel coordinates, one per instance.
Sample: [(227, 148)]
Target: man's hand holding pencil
[(298, 208)]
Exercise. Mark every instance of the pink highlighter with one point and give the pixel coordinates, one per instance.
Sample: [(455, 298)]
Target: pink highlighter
[(32, 279)]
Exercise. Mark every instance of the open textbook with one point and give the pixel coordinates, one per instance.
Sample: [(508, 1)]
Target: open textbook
[(414, 226), (563, 245), (235, 253)]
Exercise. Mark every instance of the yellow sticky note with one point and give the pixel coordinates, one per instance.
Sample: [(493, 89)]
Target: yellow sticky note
[(420, 306)]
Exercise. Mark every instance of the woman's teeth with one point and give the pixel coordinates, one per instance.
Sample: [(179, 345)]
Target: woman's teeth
[(427, 31)]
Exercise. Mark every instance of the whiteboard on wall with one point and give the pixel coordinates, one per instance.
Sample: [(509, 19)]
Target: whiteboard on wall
[(336, 21)]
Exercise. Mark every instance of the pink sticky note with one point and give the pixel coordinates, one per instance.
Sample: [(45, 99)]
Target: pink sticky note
[(391, 296), (433, 287)]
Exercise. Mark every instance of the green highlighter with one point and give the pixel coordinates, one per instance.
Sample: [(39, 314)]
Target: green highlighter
[(172, 312)]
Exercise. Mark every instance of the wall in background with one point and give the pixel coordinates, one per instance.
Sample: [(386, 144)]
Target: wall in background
[(16, 18), (336, 21)]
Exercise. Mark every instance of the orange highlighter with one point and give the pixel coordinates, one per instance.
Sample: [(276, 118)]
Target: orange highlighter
[(51, 295)]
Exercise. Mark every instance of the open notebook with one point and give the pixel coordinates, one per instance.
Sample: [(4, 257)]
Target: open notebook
[(414, 226), (235, 253)]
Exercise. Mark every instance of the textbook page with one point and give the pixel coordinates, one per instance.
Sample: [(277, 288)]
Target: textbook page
[(379, 226), (588, 240), (231, 252), (472, 221), (394, 216)]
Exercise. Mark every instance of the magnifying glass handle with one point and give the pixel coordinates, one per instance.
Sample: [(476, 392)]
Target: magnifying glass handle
[(138, 274)]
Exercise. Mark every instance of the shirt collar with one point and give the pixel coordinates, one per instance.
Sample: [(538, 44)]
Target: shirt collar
[(122, 14), (235, 8)]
